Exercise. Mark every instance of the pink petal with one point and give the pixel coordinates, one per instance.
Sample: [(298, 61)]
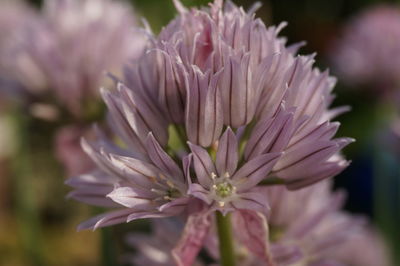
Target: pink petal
[(203, 165), (106, 219), (252, 230), (130, 197), (250, 174), (162, 160), (194, 235), (227, 154)]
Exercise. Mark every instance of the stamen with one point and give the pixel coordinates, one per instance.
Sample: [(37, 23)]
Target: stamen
[(170, 184), (157, 191), (153, 179)]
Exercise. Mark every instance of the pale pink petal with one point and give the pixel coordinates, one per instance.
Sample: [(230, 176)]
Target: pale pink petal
[(251, 228), (192, 239)]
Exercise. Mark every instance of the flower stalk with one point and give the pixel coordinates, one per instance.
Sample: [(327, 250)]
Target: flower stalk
[(27, 213), (226, 249)]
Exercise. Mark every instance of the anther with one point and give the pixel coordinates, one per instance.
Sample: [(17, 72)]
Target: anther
[(170, 184), (213, 175)]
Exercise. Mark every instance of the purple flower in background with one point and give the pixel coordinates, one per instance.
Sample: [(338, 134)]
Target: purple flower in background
[(366, 248), (69, 152), (307, 227), (369, 48), (15, 17), (68, 48)]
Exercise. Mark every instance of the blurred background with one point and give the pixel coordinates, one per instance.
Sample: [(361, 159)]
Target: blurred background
[(50, 237)]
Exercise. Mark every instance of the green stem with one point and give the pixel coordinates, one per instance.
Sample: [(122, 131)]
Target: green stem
[(226, 250), (108, 251), (26, 210)]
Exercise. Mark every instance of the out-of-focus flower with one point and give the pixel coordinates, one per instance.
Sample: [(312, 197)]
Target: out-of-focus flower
[(369, 50), (305, 224), (68, 48), (15, 16), (308, 228), (69, 152), (366, 248)]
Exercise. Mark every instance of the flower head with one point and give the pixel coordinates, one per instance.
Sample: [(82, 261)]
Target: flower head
[(69, 46), (369, 50), (243, 108)]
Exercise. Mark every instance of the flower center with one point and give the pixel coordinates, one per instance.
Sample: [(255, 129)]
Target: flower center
[(173, 193), (223, 190)]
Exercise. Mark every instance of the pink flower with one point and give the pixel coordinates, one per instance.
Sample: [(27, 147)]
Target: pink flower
[(69, 152), (68, 48), (369, 49), (220, 66), (367, 248), (308, 228), (210, 69), (226, 187)]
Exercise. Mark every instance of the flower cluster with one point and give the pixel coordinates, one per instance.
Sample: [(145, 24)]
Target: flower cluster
[(55, 60), (216, 110), (65, 50), (369, 50)]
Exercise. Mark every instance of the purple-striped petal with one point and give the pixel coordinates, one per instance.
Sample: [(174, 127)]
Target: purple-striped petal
[(131, 198), (227, 155), (163, 161), (255, 170), (251, 228), (271, 134), (203, 165), (192, 239)]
